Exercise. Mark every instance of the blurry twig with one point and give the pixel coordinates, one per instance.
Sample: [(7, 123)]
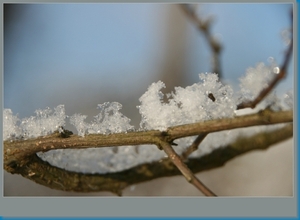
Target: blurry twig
[(194, 146), (204, 28), (277, 78)]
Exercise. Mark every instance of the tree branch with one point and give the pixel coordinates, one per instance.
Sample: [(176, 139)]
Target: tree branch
[(277, 78), (194, 146), (43, 173), (17, 152), (186, 172), (204, 28), (20, 156)]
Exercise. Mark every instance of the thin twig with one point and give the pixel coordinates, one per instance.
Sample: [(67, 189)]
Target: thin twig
[(273, 83), (264, 117), (204, 28), (186, 172), (194, 146)]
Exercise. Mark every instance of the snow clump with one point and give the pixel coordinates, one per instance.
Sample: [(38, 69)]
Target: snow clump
[(255, 80), (108, 121), (43, 123), (205, 100)]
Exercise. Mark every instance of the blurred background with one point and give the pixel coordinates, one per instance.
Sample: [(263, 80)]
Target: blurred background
[(81, 55)]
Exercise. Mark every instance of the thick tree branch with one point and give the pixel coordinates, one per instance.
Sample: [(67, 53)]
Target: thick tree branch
[(43, 173), (20, 156), (17, 152)]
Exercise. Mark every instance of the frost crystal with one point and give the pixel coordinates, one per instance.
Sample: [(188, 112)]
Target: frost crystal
[(256, 79), (187, 105), (43, 123), (10, 127), (108, 121)]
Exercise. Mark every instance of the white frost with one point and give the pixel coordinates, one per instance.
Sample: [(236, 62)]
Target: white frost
[(255, 80), (43, 123), (10, 127), (108, 121), (186, 105), (206, 100)]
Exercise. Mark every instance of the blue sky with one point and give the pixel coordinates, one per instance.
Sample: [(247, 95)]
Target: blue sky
[(82, 55)]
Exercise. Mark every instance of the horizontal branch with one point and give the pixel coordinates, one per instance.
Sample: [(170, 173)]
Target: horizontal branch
[(17, 153), (43, 173), (265, 117)]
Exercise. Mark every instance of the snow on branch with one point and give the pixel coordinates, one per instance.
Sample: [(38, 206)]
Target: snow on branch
[(39, 148), (186, 105), (202, 108)]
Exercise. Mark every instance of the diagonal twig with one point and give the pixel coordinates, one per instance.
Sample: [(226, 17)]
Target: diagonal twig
[(204, 28), (215, 47), (273, 83), (194, 146), (186, 172)]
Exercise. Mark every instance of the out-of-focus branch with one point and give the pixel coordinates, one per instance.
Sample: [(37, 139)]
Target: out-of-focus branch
[(204, 28), (272, 84), (43, 173), (277, 77)]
